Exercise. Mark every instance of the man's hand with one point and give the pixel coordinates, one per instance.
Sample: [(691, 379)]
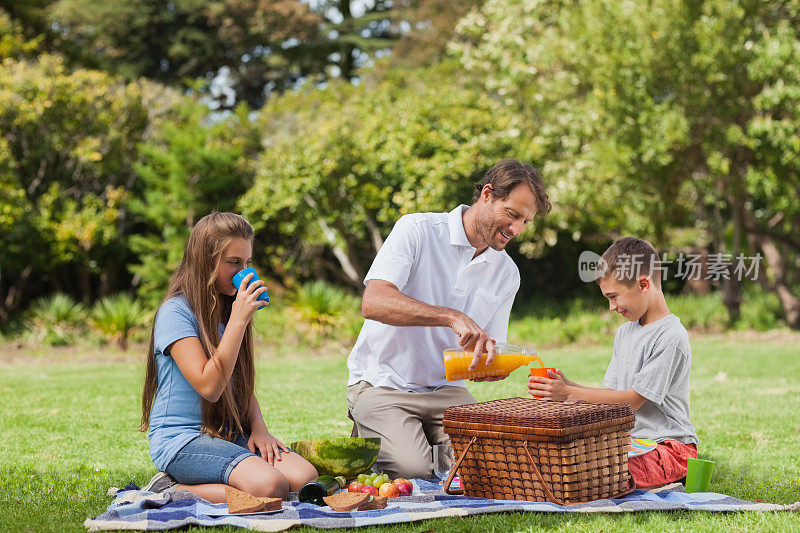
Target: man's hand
[(470, 335), (385, 303)]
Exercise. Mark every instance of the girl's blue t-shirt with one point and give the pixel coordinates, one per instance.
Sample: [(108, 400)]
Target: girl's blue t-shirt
[(175, 417)]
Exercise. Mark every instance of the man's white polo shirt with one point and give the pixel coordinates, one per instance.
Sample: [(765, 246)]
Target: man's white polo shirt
[(427, 257)]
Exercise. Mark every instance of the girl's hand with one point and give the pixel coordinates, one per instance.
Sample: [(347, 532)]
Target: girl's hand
[(552, 388), (268, 446), (247, 303)]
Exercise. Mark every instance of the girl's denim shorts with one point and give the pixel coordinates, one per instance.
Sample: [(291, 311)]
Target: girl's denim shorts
[(206, 459)]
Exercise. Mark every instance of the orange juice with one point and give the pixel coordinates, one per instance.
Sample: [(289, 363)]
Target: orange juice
[(542, 373), (456, 362)]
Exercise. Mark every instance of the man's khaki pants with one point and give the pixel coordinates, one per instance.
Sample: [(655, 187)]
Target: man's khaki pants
[(408, 424)]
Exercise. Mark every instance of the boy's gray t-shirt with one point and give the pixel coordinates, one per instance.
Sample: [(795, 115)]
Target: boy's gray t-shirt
[(654, 360)]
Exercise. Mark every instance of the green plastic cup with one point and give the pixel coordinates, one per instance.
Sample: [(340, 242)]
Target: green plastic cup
[(698, 475)]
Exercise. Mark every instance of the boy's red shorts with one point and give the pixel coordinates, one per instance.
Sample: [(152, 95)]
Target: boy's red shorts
[(665, 464)]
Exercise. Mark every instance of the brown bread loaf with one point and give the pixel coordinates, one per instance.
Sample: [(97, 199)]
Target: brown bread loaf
[(346, 501), (376, 502), (242, 502)]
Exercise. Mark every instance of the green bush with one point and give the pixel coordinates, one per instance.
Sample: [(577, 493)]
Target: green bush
[(55, 320), (557, 323), (117, 317), (326, 313), (699, 311), (321, 306), (760, 310), (316, 312), (548, 323)]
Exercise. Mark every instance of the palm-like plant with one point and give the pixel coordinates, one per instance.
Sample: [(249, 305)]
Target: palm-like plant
[(53, 320), (320, 305), (117, 316)]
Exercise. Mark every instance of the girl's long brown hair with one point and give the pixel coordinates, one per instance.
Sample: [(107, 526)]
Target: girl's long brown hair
[(194, 280)]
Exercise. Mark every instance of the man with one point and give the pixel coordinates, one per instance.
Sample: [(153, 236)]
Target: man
[(440, 279)]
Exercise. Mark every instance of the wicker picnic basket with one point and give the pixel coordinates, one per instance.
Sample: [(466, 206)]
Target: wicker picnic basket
[(536, 450)]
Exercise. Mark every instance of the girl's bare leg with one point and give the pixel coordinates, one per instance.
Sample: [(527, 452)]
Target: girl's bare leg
[(257, 477), (213, 492)]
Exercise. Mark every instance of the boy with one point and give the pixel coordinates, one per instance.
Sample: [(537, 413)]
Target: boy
[(649, 369)]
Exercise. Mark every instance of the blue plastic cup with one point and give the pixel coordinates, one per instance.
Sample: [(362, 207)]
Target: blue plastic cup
[(239, 276)]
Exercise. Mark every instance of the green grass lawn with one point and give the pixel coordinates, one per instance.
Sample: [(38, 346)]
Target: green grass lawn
[(69, 432)]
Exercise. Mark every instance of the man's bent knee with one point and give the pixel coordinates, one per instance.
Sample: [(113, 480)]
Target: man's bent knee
[(409, 467)]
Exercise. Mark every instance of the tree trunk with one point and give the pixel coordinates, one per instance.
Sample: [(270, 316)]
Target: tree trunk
[(374, 234), (732, 287), (14, 295), (781, 283), (107, 278), (348, 266), (85, 282), (699, 285), (776, 262), (346, 49), (762, 279)]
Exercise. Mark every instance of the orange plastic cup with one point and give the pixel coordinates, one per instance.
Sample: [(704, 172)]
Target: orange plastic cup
[(541, 372)]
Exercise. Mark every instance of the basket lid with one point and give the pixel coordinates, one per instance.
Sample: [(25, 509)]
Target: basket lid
[(536, 414)]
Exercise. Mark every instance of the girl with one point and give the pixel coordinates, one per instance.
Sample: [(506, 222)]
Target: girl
[(205, 425)]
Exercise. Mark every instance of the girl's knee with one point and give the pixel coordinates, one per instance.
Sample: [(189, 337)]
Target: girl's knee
[(274, 485), (269, 485), (300, 473), (259, 479)]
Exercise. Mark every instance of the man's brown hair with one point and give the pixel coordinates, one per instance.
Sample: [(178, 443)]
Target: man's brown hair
[(507, 174), (628, 259)]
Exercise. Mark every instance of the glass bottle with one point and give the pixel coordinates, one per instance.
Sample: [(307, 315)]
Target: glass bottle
[(314, 491)]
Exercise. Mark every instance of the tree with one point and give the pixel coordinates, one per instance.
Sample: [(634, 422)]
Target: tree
[(30, 16), (247, 43), (350, 35), (342, 164), (429, 26), (192, 165), (13, 43), (67, 149), (652, 113)]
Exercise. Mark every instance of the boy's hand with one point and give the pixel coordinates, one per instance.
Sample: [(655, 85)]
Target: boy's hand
[(553, 388)]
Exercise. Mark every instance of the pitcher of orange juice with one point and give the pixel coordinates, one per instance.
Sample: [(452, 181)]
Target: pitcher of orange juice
[(507, 359)]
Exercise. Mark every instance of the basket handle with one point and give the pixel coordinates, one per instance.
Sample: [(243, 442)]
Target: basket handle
[(547, 492), (447, 489)]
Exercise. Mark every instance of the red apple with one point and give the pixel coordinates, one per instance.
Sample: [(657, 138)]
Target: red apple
[(405, 489), (371, 489), (401, 480), (389, 490), (355, 486)]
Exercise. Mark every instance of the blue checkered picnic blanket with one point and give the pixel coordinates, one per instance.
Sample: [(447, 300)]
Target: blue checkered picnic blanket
[(136, 509)]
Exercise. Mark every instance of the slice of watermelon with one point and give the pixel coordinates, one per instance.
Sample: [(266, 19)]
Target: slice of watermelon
[(342, 456)]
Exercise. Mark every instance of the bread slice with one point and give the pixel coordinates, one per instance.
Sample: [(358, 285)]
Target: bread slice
[(242, 502), (346, 501), (376, 502)]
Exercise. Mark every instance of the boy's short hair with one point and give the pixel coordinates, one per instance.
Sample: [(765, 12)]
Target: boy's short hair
[(628, 259)]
